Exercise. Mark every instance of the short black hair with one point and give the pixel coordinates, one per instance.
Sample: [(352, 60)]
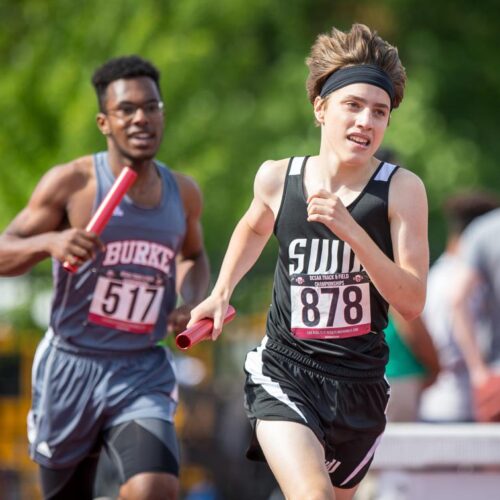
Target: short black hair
[(462, 208), (122, 67)]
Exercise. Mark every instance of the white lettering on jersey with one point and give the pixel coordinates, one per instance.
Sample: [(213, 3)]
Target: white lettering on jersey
[(293, 255), (321, 256), (139, 252)]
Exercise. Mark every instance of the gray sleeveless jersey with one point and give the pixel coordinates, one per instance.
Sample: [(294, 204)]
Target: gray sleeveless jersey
[(121, 300)]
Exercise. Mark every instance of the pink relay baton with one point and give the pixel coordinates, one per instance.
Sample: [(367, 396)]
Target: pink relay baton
[(201, 330), (105, 210)]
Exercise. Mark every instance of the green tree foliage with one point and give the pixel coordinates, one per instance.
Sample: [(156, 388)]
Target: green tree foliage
[(233, 78)]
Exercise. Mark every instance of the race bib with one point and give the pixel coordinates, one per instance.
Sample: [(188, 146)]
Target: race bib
[(126, 304), (330, 306)]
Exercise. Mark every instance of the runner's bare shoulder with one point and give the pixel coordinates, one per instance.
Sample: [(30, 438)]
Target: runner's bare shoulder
[(64, 180), (270, 180)]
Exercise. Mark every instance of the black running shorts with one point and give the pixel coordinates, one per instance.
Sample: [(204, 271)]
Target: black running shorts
[(347, 415)]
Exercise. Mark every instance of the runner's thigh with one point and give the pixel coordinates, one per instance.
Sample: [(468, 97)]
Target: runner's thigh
[(143, 445)]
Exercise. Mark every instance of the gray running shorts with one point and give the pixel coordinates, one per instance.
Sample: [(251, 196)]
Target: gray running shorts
[(76, 396)]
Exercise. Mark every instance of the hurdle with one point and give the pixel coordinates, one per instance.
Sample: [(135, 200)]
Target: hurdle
[(441, 461)]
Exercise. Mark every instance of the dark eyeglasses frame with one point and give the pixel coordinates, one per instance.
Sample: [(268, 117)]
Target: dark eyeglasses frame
[(127, 111)]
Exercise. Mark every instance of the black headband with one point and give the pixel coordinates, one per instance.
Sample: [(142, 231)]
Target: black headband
[(363, 73)]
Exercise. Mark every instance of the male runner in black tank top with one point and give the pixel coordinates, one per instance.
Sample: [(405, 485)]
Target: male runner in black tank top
[(353, 239)]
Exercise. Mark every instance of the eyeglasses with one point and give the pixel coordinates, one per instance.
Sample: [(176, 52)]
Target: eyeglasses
[(127, 111)]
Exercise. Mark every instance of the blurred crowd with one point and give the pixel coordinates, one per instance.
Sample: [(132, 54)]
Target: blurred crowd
[(444, 365)]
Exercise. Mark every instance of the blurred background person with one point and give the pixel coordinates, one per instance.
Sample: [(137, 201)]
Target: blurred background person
[(449, 398), (413, 365), (477, 288), (427, 370)]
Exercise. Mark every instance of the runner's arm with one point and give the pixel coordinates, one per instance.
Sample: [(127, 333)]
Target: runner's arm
[(34, 234), (466, 282), (401, 282), (418, 338), (246, 244)]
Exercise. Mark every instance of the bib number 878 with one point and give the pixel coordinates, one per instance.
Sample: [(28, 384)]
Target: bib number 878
[(313, 303)]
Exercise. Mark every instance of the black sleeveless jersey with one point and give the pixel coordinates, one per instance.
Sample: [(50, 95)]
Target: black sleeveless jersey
[(324, 305)]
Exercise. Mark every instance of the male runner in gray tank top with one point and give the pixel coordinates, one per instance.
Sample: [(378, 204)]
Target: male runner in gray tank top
[(352, 234), (99, 377)]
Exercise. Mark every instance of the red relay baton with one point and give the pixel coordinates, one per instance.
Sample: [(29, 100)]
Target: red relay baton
[(105, 210), (201, 330)]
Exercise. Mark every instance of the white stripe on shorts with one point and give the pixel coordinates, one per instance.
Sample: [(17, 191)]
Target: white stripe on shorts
[(363, 462), (40, 351), (254, 365)]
